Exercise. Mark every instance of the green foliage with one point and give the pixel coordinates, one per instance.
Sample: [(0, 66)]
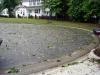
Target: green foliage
[(82, 10), (13, 70), (91, 8), (59, 7), (98, 61), (10, 5), (75, 9)]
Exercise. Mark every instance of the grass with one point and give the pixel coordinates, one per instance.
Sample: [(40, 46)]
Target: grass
[(13, 70), (50, 46), (23, 20), (98, 61), (45, 22)]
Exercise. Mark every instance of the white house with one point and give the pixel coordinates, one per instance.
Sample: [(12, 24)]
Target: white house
[(5, 12), (28, 8)]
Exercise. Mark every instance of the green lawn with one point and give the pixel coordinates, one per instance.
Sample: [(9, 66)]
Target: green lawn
[(45, 22)]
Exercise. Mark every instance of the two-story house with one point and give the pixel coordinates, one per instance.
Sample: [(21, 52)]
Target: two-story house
[(28, 8)]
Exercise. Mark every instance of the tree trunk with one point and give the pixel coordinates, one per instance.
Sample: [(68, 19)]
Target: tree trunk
[(10, 12), (50, 16)]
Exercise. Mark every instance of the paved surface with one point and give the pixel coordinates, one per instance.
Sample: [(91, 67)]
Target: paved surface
[(29, 44)]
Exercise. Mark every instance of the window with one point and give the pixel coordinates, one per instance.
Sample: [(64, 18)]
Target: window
[(30, 2), (21, 11), (37, 10), (38, 3), (34, 2), (38, 0), (30, 11)]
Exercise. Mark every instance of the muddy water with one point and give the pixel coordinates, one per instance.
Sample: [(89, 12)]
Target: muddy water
[(30, 44)]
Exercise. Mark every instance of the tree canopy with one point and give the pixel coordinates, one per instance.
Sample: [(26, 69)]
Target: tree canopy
[(10, 5), (82, 10), (79, 10), (59, 7), (75, 9)]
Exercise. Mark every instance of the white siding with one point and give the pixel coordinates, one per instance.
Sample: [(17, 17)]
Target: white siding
[(21, 12), (25, 3), (5, 12)]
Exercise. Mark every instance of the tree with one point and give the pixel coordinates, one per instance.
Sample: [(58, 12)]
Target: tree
[(10, 5), (75, 11), (83, 10), (63, 6), (91, 8), (59, 7)]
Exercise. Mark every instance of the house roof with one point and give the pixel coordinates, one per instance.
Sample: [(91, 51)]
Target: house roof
[(20, 6)]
